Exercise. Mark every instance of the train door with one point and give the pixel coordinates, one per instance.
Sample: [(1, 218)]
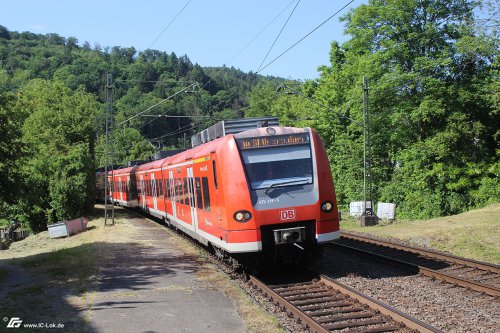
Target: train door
[(127, 188), (155, 191), (120, 188), (172, 192), (143, 193), (192, 198)]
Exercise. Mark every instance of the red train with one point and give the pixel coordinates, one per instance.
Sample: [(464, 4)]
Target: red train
[(264, 193)]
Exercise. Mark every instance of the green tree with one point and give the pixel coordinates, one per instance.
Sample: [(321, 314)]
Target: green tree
[(58, 169), (11, 150), (129, 145), (431, 114)]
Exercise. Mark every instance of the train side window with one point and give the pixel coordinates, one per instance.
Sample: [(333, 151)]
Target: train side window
[(174, 189), (171, 194), (165, 189), (178, 190), (186, 192), (191, 190), (206, 193), (199, 201), (215, 175), (160, 187)]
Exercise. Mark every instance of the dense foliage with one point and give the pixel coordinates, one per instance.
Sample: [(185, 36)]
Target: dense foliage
[(433, 78), (434, 103), (52, 115)]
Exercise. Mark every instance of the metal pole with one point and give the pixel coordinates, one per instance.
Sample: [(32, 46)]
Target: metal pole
[(367, 153), (106, 181), (108, 191), (364, 143)]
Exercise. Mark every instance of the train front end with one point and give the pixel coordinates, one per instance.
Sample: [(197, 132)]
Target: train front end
[(291, 190)]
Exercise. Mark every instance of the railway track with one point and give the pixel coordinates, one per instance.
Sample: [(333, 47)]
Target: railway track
[(473, 274), (325, 305)]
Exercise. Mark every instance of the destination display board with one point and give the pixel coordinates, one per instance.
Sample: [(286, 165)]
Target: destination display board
[(271, 141)]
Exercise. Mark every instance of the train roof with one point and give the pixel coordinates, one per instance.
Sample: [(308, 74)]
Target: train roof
[(184, 156), (212, 146), (124, 170), (264, 131), (151, 165)]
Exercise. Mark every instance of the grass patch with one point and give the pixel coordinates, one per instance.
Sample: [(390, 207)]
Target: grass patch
[(474, 234), (65, 264), (64, 271), (58, 274)]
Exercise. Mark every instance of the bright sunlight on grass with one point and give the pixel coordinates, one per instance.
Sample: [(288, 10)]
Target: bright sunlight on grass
[(474, 234)]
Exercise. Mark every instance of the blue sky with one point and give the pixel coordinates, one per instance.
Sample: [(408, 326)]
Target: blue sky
[(211, 33)]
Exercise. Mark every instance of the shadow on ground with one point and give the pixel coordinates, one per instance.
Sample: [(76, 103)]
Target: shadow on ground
[(57, 287)]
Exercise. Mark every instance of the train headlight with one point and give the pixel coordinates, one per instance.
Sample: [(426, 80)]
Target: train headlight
[(242, 216), (327, 206)]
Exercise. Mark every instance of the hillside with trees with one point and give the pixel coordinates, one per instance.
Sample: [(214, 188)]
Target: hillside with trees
[(52, 115), (434, 93), (434, 99)]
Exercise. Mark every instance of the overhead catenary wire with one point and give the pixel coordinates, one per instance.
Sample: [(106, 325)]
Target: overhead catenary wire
[(182, 129), (155, 105), (169, 24), (279, 34), (306, 35), (172, 116), (260, 32), (162, 32), (433, 65), (239, 52), (320, 104)]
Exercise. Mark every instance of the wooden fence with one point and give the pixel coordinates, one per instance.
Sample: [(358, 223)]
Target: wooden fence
[(18, 235)]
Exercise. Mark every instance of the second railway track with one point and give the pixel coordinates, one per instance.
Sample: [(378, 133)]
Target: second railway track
[(476, 275)]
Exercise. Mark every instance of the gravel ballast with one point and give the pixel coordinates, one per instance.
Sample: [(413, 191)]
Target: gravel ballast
[(444, 306)]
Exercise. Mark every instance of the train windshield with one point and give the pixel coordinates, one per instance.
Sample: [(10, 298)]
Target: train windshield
[(278, 166)]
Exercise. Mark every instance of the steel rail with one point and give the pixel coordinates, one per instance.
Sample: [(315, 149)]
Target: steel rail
[(322, 324), (426, 252), (313, 325), (395, 314), (477, 286)]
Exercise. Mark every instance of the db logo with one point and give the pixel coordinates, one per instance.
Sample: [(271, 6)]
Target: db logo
[(287, 214)]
